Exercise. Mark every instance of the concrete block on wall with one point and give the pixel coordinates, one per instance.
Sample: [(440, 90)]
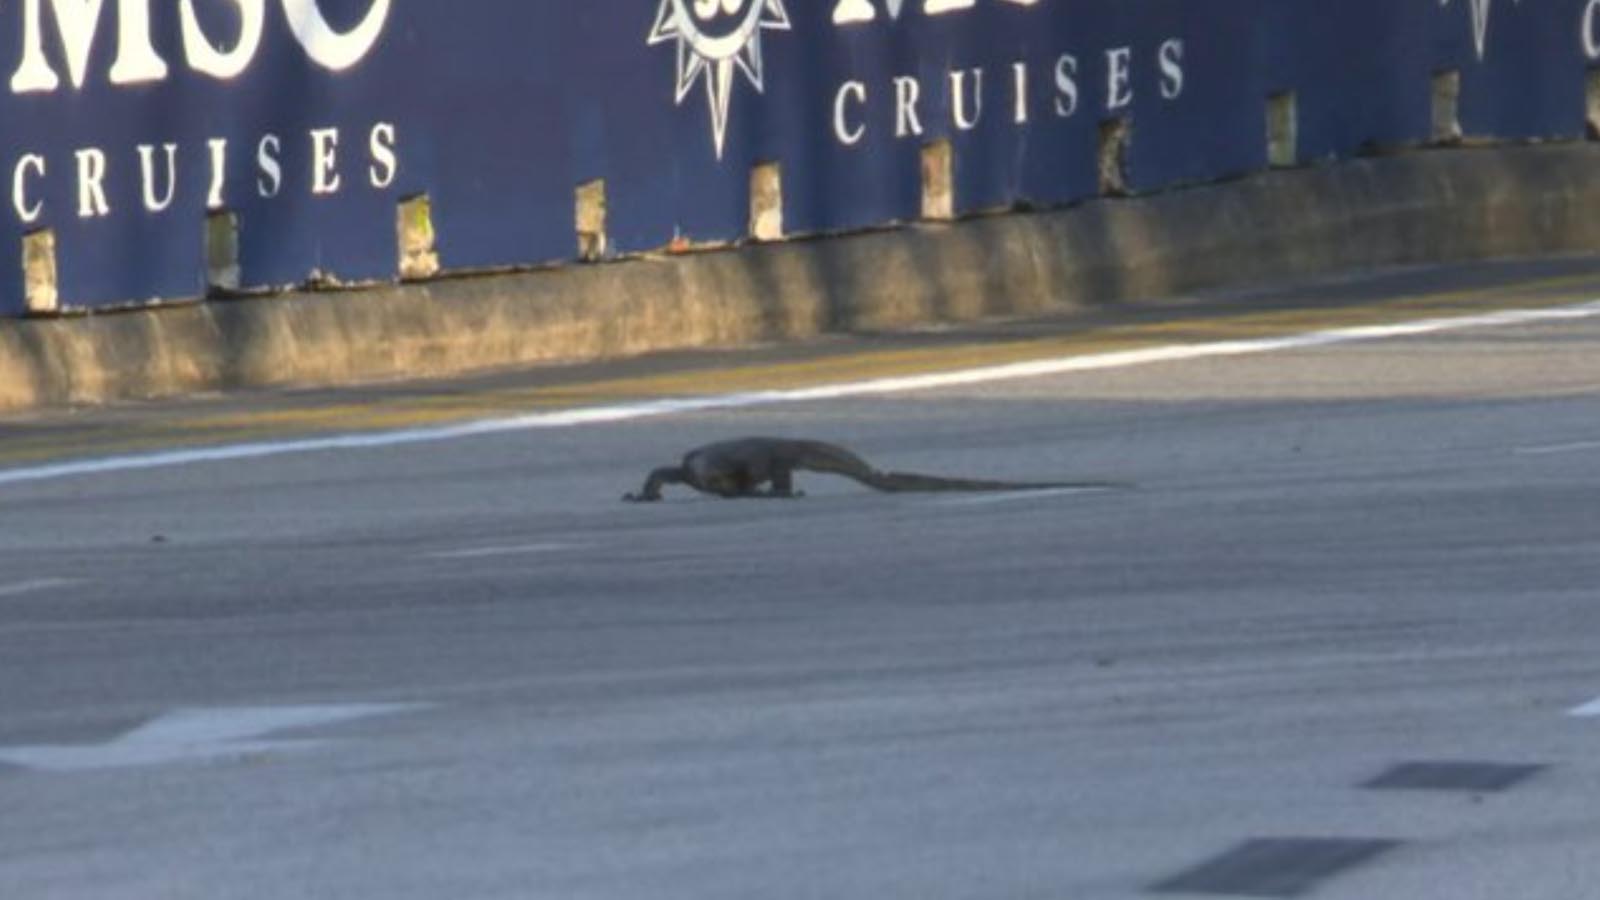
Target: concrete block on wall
[(1447, 107), (590, 213), (766, 202), (1283, 130), (414, 232), (1115, 136), (39, 273), (222, 252), (938, 181)]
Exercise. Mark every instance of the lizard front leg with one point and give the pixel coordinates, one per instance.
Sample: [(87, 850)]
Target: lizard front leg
[(651, 492)]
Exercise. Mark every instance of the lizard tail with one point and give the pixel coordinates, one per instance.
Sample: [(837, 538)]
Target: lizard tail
[(819, 457), (908, 482)]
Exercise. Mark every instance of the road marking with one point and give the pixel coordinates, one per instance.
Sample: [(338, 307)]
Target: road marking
[(627, 412), (1552, 449), (34, 586), (1454, 775), (197, 735), (509, 550), (1589, 710), (1277, 867), (998, 498)]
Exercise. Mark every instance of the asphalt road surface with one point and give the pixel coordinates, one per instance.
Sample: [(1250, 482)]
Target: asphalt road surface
[(1342, 640)]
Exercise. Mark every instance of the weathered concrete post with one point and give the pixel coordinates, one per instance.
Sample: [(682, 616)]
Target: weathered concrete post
[(1283, 130), (766, 202), (938, 181), (222, 252), (41, 296)]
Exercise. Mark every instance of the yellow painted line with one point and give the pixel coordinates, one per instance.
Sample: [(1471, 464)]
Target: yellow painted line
[(189, 430)]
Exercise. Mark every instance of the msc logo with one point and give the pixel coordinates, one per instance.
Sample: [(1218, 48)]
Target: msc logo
[(717, 39), (137, 62)]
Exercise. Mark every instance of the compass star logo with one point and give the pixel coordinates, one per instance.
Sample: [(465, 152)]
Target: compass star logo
[(1480, 22), (717, 39)]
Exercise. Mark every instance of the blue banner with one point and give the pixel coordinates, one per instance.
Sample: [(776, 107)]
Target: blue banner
[(126, 122)]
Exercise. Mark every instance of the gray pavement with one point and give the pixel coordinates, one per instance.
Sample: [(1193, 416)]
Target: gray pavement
[(464, 670)]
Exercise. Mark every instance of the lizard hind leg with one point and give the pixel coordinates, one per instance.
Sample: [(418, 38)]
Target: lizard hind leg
[(783, 482)]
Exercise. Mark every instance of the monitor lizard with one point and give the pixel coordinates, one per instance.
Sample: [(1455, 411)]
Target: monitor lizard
[(765, 467)]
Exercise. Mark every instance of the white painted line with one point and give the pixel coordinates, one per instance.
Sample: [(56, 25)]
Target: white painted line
[(1589, 710), (509, 550), (19, 588), (197, 735), (997, 498), (1552, 449), (650, 409)]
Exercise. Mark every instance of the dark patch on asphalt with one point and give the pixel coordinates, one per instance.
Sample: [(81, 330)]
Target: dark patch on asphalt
[(1276, 867), (1476, 777)]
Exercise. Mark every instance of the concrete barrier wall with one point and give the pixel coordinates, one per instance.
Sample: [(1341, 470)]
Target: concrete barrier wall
[(1429, 206), (161, 152)]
